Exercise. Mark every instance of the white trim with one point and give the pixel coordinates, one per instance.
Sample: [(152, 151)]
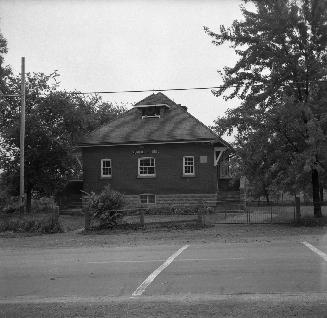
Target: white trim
[(106, 175), (216, 159), (148, 174), (149, 143), (150, 116), (188, 174), (154, 105)]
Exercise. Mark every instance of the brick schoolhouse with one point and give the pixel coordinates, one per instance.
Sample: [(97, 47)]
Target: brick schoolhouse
[(157, 153)]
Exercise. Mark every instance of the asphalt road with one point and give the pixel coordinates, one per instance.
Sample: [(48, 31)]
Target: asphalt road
[(253, 272)]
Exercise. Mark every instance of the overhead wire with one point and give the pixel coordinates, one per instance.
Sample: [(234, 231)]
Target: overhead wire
[(172, 89)]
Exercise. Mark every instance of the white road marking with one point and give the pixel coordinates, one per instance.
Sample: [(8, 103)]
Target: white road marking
[(316, 250), (140, 290), (161, 260)]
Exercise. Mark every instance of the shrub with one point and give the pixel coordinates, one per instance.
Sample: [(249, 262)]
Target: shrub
[(10, 205), (30, 224), (103, 207), (174, 210), (43, 204)]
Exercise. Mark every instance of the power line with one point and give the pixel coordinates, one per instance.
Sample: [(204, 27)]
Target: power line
[(173, 89), (133, 91), (184, 89), (150, 90)]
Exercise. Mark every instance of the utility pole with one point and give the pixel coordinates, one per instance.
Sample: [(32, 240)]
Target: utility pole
[(22, 141)]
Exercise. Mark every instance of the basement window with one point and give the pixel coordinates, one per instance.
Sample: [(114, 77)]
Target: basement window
[(148, 199)]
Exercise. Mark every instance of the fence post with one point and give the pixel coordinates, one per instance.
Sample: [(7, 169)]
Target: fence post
[(56, 213), (142, 217), (204, 207), (200, 216), (297, 210), (87, 219), (243, 197)]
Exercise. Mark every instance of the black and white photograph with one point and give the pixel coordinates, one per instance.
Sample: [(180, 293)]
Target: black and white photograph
[(163, 158)]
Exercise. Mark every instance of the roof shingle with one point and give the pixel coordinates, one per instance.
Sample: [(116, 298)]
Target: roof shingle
[(176, 125)]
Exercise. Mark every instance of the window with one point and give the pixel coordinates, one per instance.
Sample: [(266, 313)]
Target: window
[(188, 166), (105, 168), (225, 172), (146, 167), (151, 112), (148, 199)]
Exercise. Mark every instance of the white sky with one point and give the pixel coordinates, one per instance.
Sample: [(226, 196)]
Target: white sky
[(123, 45)]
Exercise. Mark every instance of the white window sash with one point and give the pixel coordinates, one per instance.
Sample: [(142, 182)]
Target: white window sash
[(145, 168), (147, 196), (188, 165), (106, 168)]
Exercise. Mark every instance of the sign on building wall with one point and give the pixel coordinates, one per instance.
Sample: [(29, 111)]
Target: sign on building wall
[(203, 159)]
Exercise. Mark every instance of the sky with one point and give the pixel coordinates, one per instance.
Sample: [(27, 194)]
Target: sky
[(124, 45)]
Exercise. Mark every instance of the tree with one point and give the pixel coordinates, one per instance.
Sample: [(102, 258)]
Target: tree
[(4, 70), (279, 79), (55, 121)]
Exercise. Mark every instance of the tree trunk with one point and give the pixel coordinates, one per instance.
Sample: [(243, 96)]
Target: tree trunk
[(316, 193), (321, 193), (28, 200)]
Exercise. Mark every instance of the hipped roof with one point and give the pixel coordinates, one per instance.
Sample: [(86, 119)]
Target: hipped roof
[(177, 125)]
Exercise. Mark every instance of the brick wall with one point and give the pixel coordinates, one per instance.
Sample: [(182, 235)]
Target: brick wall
[(169, 169)]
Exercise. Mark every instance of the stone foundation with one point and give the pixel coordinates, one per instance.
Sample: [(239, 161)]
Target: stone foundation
[(176, 199)]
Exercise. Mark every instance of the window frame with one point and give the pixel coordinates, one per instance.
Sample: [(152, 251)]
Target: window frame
[(147, 175), (110, 168), (151, 112), (187, 174), (225, 169), (147, 198)]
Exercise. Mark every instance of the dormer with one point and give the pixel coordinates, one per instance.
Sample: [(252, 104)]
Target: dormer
[(152, 111)]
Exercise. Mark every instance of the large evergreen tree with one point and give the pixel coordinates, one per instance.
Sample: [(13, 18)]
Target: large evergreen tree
[(280, 80)]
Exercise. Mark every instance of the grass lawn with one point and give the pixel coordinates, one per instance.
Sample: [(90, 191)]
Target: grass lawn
[(307, 211), (71, 222), (185, 233), (166, 233)]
